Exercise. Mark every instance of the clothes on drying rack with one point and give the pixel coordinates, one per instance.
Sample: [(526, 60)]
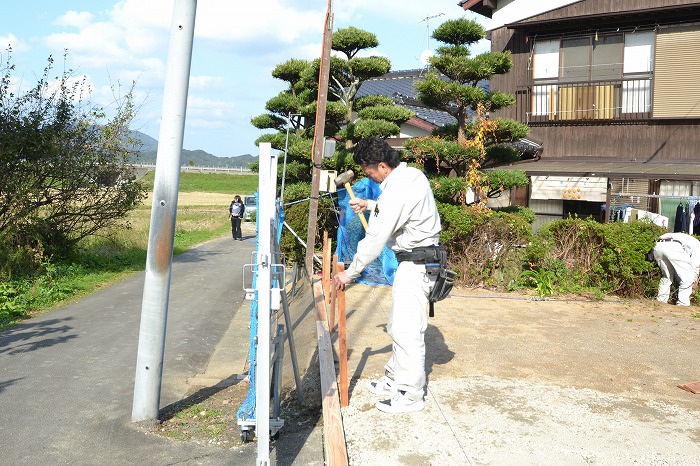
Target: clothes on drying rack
[(688, 216), (681, 223)]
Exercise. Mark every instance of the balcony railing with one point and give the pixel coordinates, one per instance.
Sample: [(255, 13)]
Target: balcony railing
[(550, 101)]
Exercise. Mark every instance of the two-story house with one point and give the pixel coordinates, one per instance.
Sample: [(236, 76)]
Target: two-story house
[(612, 90)]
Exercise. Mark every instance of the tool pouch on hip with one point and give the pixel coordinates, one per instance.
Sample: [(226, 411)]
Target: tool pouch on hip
[(444, 277)]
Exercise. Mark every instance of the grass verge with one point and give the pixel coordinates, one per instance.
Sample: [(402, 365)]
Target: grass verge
[(107, 259)]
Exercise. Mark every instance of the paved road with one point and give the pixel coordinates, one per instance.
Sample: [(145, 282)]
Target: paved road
[(66, 378)]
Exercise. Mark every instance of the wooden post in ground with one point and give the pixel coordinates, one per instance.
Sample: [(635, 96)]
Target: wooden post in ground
[(334, 294), (325, 267), (328, 258), (342, 345), (335, 450)]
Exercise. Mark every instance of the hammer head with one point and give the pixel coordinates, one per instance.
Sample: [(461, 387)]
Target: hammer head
[(344, 177)]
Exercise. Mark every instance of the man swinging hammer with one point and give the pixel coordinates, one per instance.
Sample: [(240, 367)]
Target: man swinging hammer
[(405, 218)]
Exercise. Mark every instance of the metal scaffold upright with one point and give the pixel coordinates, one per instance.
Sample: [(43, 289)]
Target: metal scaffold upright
[(264, 280)]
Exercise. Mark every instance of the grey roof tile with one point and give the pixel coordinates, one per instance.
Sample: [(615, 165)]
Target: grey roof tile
[(400, 86)]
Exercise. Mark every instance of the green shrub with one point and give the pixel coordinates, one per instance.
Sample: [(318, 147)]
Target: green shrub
[(623, 259), (584, 255), (296, 197), (481, 243)]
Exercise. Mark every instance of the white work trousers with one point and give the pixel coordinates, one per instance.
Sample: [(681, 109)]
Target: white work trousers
[(407, 323), (674, 262)]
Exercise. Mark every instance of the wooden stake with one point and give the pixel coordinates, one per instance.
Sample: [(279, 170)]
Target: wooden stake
[(335, 449), (334, 293), (325, 267), (342, 345), (329, 273)]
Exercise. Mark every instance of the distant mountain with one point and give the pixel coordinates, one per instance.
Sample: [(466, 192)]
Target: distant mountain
[(148, 151)]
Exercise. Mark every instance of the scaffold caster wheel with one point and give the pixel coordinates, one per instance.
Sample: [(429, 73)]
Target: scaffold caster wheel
[(246, 436)]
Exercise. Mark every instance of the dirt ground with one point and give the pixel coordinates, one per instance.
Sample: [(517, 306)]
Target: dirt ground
[(512, 380), (518, 380)]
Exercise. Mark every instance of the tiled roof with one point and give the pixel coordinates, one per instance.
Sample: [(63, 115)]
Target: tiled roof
[(400, 86)]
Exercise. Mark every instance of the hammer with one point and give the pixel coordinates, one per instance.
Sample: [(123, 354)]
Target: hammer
[(344, 180)]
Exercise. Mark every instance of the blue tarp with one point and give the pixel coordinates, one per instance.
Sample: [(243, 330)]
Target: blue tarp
[(246, 412), (351, 231)]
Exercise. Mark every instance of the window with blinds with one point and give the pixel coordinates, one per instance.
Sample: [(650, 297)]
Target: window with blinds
[(591, 77), (677, 72)]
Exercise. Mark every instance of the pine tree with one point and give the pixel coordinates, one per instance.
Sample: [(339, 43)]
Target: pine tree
[(453, 84)]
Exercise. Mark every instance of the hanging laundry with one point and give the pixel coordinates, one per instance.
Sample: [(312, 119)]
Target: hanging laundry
[(681, 223), (694, 204)]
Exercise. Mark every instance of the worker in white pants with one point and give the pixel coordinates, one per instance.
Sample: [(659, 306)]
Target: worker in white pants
[(678, 257), (405, 218), (406, 326)]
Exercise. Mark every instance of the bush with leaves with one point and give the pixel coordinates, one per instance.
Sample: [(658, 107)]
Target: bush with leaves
[(64, 172), (584, 255), (296, 197), (481, 242)]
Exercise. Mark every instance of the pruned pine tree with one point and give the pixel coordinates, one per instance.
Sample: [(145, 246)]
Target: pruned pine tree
[(453, 85), (291, 114)]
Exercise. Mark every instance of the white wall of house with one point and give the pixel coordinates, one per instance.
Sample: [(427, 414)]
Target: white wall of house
[(510, 11), (410, 131), (546, 211)]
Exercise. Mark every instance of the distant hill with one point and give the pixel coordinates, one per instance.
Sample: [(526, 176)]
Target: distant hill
[(198, 158)]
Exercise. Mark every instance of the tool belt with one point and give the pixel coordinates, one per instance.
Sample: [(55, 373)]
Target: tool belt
[(421, 255), (666, 240), (435, 260)]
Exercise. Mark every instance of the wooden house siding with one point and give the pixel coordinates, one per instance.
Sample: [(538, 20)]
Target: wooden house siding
[(602, 7), (652, 140), (667, 141), (502, 40)]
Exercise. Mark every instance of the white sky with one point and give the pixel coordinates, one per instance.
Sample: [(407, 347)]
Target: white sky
[(236, 46)]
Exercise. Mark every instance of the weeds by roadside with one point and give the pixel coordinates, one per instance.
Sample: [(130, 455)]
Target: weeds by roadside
[(102, 260)]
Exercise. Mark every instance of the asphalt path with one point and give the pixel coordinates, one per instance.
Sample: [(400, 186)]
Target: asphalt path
[(67, 378)]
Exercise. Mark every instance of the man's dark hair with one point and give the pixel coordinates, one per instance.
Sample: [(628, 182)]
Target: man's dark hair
[(372, 150)]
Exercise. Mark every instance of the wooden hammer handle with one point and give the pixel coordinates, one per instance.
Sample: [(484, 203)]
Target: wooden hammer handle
[(348, 188)]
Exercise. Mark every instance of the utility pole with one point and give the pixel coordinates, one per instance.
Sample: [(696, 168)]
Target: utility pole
[(159, 257), (317, 150)]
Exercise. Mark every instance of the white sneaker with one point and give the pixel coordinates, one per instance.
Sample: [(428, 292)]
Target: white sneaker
[(400, 403), (382, 387)]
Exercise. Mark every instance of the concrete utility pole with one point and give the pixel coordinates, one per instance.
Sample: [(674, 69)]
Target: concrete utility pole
[(156, 289), (317, 156)]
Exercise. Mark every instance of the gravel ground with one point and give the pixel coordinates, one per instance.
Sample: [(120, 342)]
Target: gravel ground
[(515, 380), (512, 380)]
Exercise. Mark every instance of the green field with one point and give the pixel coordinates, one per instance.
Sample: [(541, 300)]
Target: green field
[(121, 251), (240, 184)]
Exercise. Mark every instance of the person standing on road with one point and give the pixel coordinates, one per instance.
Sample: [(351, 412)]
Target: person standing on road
[(678, 257), (235, 214), (404, 218)]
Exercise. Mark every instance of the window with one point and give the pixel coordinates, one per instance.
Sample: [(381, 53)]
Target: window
[(545, 69), (599, 76), (638, 66), (677, 72), (593, 58)]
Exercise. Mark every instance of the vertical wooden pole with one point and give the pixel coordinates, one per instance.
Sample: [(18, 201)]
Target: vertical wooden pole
[(329, 258), (342, 345), (319, 135), (334, 294), (325, 268)]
